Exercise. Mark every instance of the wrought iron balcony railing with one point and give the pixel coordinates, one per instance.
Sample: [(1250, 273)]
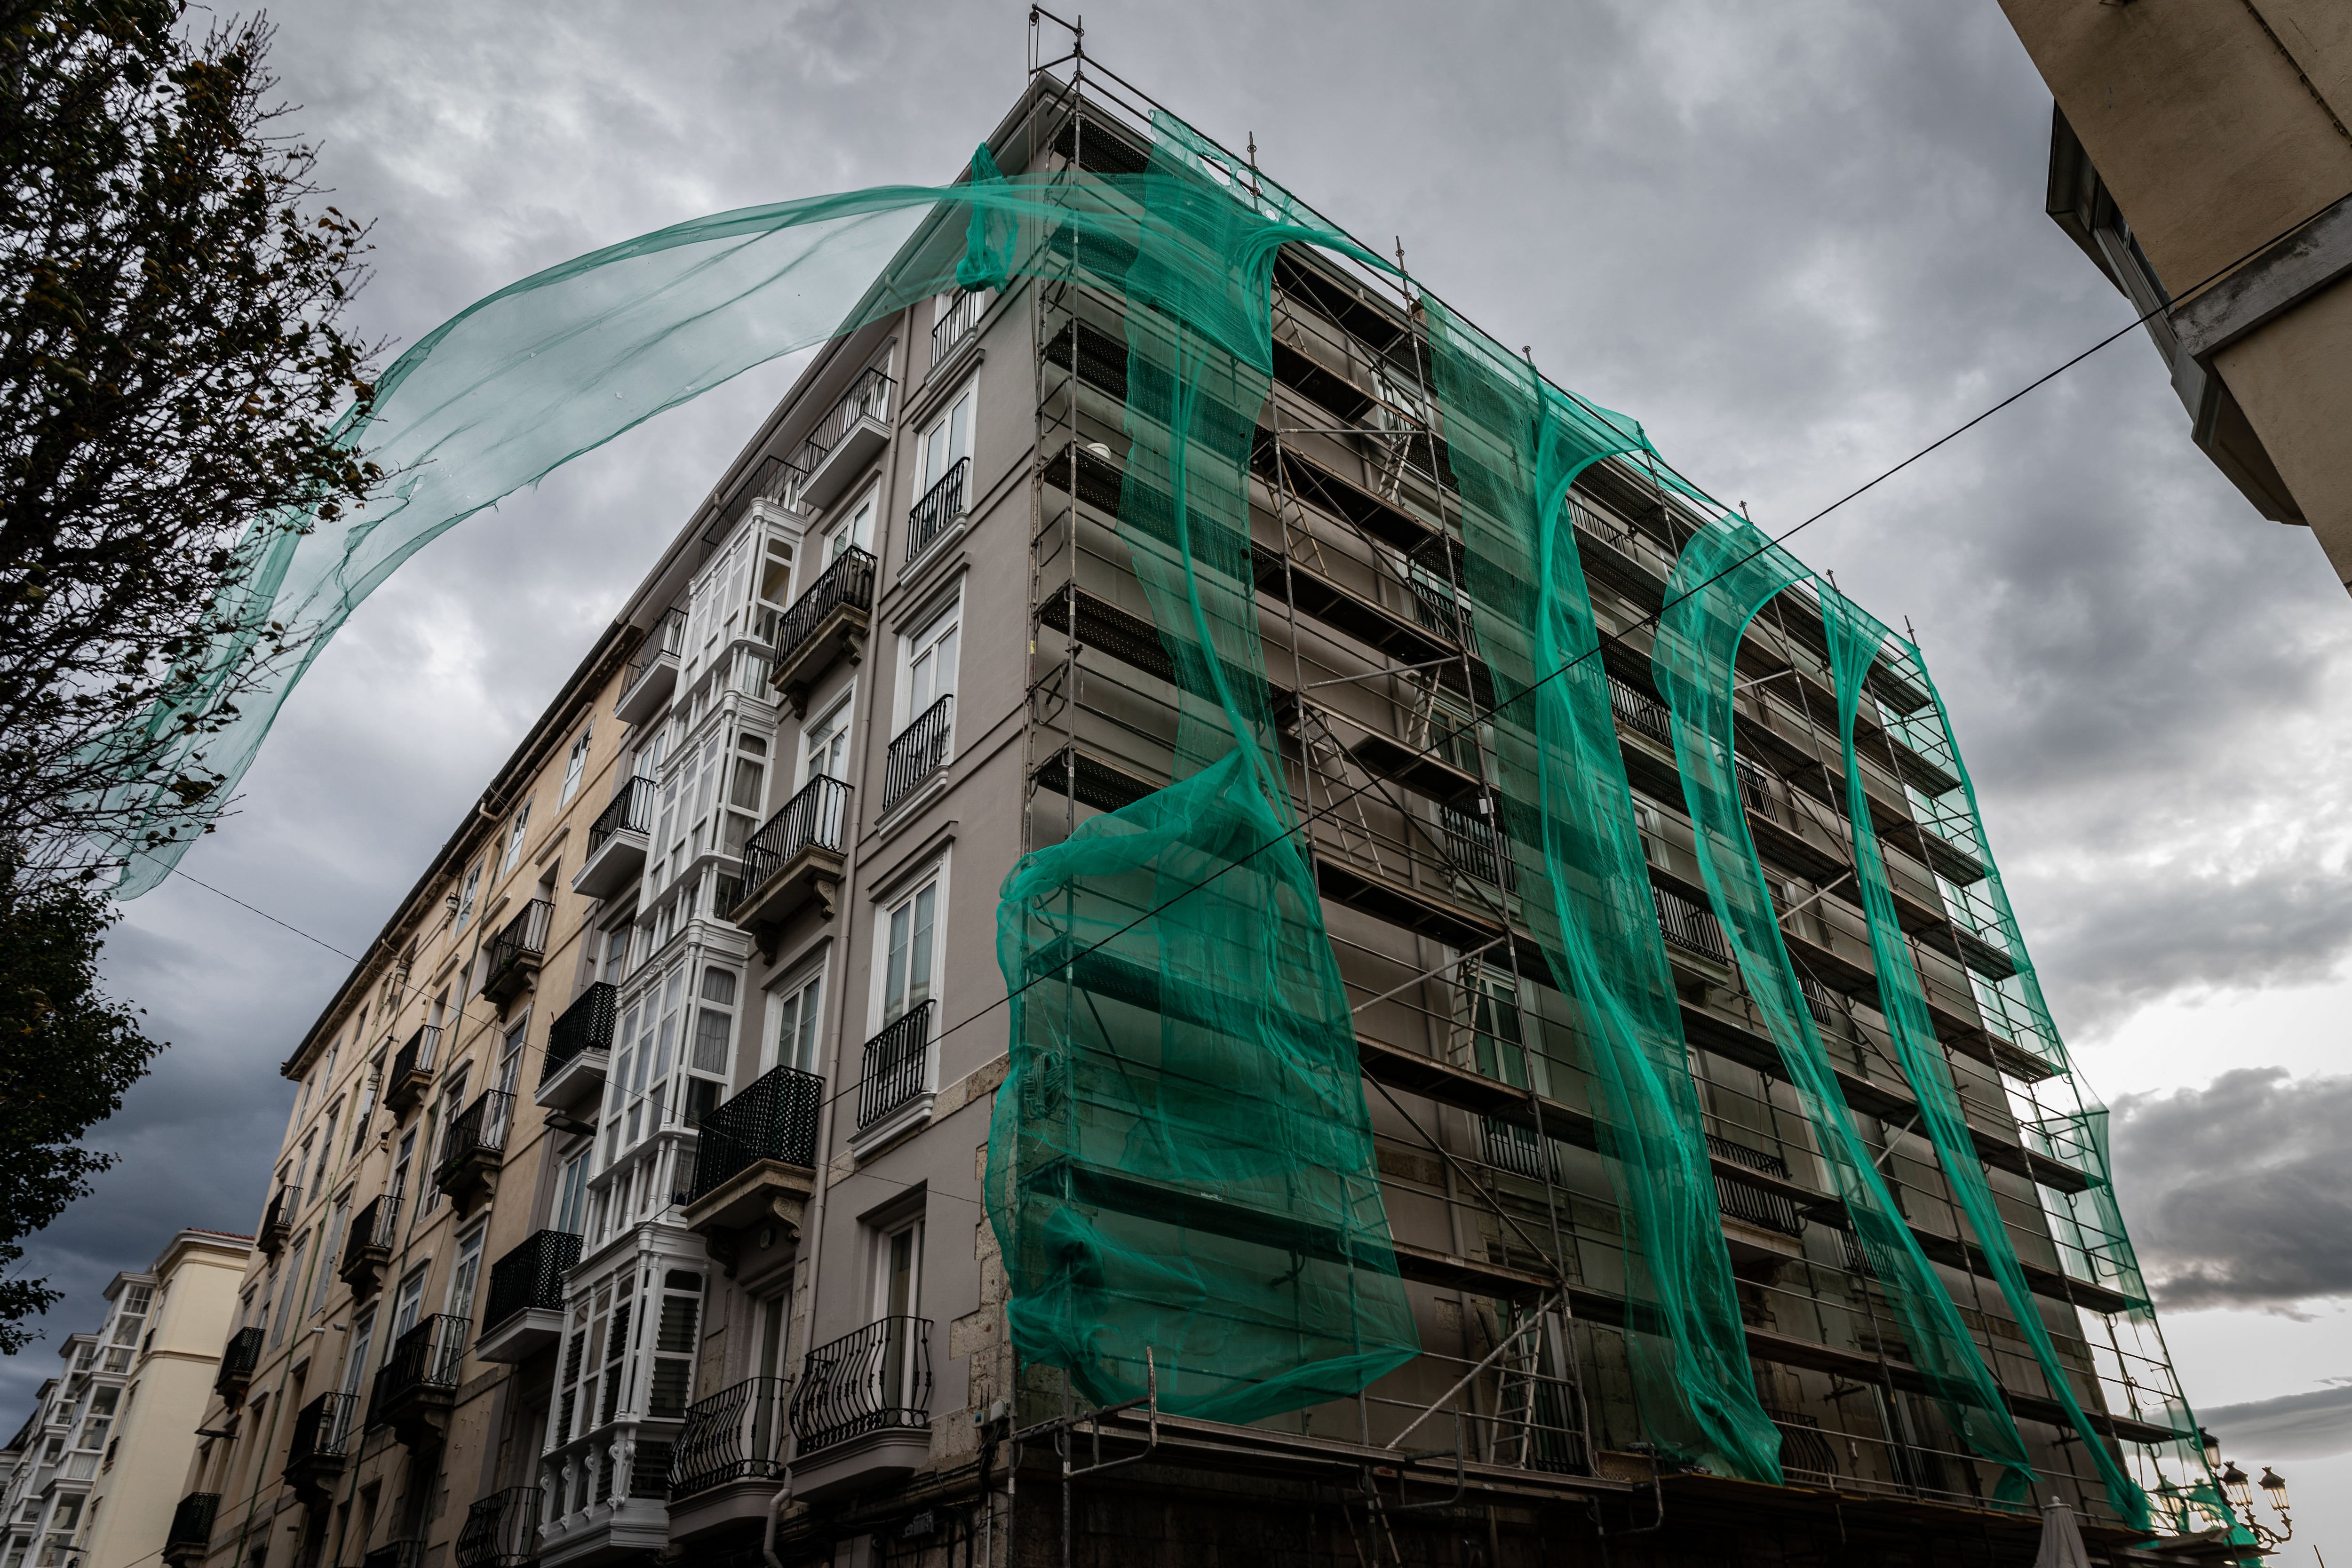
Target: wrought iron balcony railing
[(868, 397), (277, 1220), (736, 1433), (239, 1358), (501, 1530), (667, 636), (813, 818), (374, 1229), (848, 581), (522, 940), (429, 1356), (1687, 925), (325, 1429), (775, 1119), (896, 1067), (941, 504), (192, 1521), (956, 322), (479, 1130), (1752, 1205), (585, 1026), (530, 1277), (1640, 710), (919, 752), (631, 811), (877, 1379)]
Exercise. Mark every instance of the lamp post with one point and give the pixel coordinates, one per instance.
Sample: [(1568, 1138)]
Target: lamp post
[(2241, 1493)]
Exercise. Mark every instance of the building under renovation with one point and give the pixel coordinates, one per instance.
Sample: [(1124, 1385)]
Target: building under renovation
[(1139, 950)]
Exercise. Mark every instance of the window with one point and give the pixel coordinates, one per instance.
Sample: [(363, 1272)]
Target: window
[(898, 1298), (514, 838), (355, 1360), (932, 663), (670, 1387), (365, 1109), (714, 1032), (510, 1057), (575, 766), (827, 744), (317, 1184), (398, 1187), (857, 530), (797, 1018), (465, 895), (572, 1196), (616, 962), (409, 1304), (463, 1278), (331, 1251), (776, 573), (908, 979), (743, 791), (948, 442), (293, 1289)]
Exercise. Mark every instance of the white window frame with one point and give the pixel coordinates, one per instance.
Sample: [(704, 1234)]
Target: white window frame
[(797, 1004), (941, 623), (934, 875), (575, 767), (854, 526), (964, 400), (845, 711)]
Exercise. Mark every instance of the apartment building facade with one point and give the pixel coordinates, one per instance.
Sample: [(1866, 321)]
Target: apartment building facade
[(635, 1205), (2200, 157), (123, 1412)]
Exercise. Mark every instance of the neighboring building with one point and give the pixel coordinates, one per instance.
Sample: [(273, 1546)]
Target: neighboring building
[(637, 1172), (122, 1416), (2201, 156)]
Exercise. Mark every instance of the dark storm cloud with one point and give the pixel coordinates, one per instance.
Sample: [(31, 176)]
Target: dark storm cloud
[(2240, 1193), (2312, 1426), (1798, 241)]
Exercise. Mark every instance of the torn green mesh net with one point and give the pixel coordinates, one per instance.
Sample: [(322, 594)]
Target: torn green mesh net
[(1725, 574), (1515, 446)]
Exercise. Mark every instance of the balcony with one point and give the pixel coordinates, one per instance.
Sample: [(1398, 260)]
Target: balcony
[(511, 964), (847, 440), (325, 1434), (832, 619), (617, 842), (579, 1050), (955, 324), (412, 1069), (474, 1146), (1760, 1224), (653, 674), (368, 1248), (919, 754), (862, 1411), (894, 1089), (501, 1530), (417, 1386), (1690, 927), (728, 1457), (795, 858), (941, 508), (277, 1221), (757, 1160), (239, 1358), (192, 1528), (525, 1309)]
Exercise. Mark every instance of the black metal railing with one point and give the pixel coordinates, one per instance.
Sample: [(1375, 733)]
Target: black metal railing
[(192, 1521), (848, 581), (239, 1358), (479, 1129), (429, 1356), (376, 1226), (868, 397), (418, 1055), (1805, 1449), (896, 1067), (1753, 1205), (278, 1218), (631, 811), (530, 1277), (501, 1530), (323, 1429), (736, 1433), (525, 936), (1641, 710), (921, 751), (811, 819), (1513, 1148), (586, 1026), (877, 1379), (1688, 926), (956, 322), (775, 1119), (1470, 845), (1754, 792), (667, 635), (942, 505)]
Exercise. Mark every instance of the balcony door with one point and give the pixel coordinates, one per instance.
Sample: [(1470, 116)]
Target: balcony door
[(855, 531), (827, 746), (897, 1302), (910, 953), (948, 442), (464, 1277), (409, 1305), (932, 663)]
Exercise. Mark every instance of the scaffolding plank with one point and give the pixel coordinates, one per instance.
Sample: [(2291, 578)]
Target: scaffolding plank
[(1326, 489), (1102, 784)]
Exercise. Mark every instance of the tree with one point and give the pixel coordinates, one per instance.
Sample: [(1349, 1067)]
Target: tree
[(173, 371), (67, 1057)]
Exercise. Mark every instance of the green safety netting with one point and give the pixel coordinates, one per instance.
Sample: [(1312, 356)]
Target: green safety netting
[(1856, 640), (1181, 1160), (1515, 444), (1725, 574)]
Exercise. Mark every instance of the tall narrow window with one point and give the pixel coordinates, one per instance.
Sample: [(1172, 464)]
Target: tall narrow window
[(714, 1032), (409, 1304), (465, 1275), (932, 663), (293, 1289), (897, 1300), (572, 1196), (575, 765), (949, 441), (797, 1016), (828, 744), (355, 1360), (906, 967), (515, 831), (465, 895)]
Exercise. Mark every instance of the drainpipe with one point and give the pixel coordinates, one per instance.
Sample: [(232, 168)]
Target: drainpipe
[(776, 1505)]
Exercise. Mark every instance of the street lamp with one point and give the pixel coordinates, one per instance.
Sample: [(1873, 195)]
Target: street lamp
[(2241, 1493)]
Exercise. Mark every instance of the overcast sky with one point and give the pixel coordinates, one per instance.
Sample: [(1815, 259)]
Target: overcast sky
[(1798, 241)]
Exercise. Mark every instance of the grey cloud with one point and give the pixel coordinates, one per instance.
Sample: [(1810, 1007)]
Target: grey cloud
[(2312, 1426), (2240, 1193), (1798, 241)]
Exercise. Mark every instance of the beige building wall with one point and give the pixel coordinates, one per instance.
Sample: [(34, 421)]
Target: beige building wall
[(194, 1299), (2209, 145)]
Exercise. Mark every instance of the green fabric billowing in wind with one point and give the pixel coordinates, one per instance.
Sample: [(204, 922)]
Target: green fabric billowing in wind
[(1725, 574), (1515, 444), (1179, 1161), (1856, 639)]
